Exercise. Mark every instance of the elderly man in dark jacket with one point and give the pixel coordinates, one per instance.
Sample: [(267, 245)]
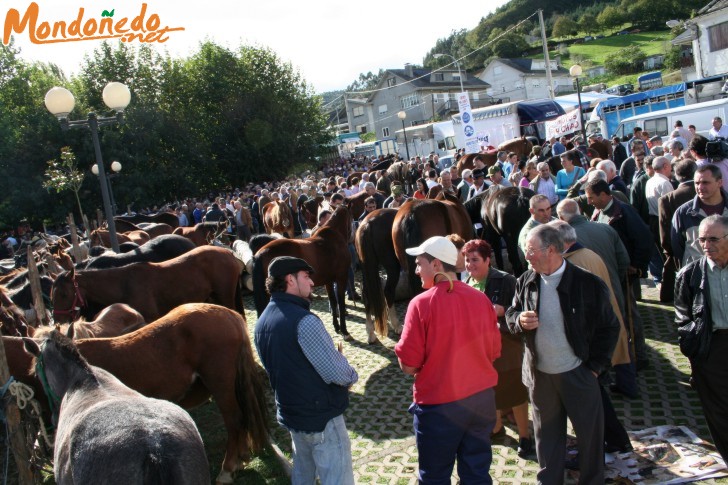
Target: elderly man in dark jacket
[(570, 332), (702, 319), (666, 207)]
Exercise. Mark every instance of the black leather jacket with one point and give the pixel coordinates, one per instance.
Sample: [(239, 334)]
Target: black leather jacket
[(692, 309), (592, 327)]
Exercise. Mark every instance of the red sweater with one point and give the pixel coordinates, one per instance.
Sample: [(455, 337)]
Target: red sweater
[(453, 339)]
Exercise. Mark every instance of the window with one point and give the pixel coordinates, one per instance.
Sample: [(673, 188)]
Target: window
[(409, 101), (385, 132), (358, 111), (361, 129), (657, 127), (439, 76), (456, 76), (382, 109), (391, 81), (718, 36)]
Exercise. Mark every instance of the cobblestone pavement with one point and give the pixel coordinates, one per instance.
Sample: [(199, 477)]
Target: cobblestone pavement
[(380, 427)]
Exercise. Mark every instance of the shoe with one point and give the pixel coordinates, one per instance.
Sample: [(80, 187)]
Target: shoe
[(626, 448), (498, 434), (526, 449)]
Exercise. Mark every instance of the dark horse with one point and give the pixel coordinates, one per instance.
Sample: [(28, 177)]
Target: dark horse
[(503, 212), (165, 217), (162, 248), (204, 274), (374, 246), (195, 352), (107, 430), (418, 220), (328, 254)]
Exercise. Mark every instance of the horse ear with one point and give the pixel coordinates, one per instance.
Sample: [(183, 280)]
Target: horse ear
[(31, 346), (71, 332)]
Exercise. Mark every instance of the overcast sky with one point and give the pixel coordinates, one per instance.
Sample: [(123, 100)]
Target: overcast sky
[(330, 42)]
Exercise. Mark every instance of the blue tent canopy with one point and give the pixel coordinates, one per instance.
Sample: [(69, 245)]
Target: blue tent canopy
[(538, 111)]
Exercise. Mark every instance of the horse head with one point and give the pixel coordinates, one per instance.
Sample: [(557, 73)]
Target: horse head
[(12, 318), (66, 297)]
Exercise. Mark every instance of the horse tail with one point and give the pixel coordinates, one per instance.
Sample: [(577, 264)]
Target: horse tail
[(239, 295), (412, 238), (250, 394), (259, 294), (374, 302)]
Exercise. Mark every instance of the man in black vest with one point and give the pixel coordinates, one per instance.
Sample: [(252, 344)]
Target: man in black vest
[(310, 378)]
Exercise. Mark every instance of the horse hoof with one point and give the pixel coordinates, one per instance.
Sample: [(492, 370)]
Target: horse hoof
[(347, 336), (374, 341)]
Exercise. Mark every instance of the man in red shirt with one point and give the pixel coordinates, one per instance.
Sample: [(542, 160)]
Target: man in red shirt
[(449, 342)]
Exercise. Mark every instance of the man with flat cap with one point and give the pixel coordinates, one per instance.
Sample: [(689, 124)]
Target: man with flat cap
[(309, 377), (479, 186), (449, 342)]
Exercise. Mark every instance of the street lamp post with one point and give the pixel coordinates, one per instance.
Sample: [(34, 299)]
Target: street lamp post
[(115, 168), (575, 72), (60, 102), (457, 64), (402, 115)]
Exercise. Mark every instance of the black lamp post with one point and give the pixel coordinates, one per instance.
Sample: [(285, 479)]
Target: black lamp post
[(60, 102), (115, 169), (402, 115)]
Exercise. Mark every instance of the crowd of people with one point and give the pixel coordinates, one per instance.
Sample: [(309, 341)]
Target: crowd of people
[(562, 337)]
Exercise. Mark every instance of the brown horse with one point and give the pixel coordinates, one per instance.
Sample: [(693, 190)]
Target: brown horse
[(114, 320), (277, 217), (520, 146), (140, 237), (328, 254), (310, 210), (203, 233), (195, 352), (156, 229), (397, 172), (204, 274), (12, 318), (418, 220), (101, 237), (355, 203), (374, 247)]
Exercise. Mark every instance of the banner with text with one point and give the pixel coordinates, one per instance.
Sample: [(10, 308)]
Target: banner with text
[(563, 125), (471, 139)]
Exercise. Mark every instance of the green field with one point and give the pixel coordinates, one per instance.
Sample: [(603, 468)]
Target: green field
[(595, 51)]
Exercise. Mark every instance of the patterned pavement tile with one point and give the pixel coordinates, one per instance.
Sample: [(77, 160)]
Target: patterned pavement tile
[(383, 445)]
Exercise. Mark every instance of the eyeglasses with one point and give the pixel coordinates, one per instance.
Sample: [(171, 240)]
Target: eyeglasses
[(712, 240), (532, 252)]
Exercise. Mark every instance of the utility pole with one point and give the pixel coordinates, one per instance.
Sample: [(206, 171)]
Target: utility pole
[(546, 54)]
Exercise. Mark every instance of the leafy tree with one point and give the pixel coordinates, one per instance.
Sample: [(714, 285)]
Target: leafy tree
[(366, 81), (588, 23), (367, 137), (625, 61), (510, 45), (63, 174), (611, 18), (564, 27)]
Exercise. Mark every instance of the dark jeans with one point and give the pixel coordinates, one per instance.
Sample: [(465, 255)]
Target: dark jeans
[(457, 429)]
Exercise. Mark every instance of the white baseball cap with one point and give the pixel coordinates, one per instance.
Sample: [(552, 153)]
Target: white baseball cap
[(438, 247)]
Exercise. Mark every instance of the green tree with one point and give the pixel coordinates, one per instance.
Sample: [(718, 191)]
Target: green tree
[(510, 45), (588, 23), (564, 27), (625, 61), (63, 174), (611, 18), (367, 137)]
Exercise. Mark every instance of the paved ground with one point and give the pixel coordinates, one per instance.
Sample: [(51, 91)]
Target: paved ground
[(383, 445)]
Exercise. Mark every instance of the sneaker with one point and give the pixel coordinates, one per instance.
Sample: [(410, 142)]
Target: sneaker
[(526, 448)]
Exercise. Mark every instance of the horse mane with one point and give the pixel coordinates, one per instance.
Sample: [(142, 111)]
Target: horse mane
[(259, 240), (66, 346)]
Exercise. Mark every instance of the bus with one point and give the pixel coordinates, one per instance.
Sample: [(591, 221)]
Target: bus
[(386, 146)]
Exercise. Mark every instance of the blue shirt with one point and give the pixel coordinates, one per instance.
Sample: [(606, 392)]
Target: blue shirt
[(318, 347)]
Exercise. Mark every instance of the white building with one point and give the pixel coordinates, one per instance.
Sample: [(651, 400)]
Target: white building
[(523, 78), (704, 51)]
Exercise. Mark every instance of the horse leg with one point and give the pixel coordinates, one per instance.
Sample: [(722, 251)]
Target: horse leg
[(333, 303), (495, 243), (371, 336), (340, 299), (513, 256), (394, 320)]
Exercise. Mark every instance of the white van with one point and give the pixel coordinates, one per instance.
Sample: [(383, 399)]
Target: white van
[(662, 123)]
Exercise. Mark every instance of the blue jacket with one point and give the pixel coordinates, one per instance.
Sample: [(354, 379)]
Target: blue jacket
[(304, 401)]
